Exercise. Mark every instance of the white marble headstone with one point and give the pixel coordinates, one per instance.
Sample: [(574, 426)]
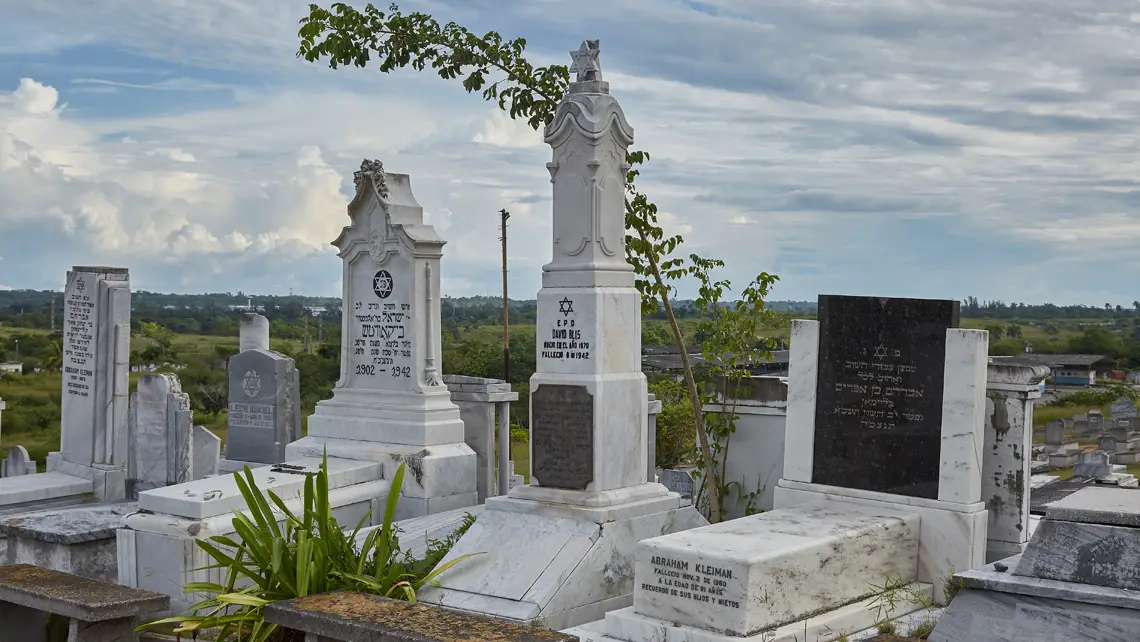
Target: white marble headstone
[(18, 463)]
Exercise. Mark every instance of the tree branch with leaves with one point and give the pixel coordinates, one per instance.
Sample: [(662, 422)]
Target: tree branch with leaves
[(498, 69)]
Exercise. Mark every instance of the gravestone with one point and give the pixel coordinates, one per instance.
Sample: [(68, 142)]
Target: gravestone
[(1106, 443), (1092, 464), (207, 452), (879, 393), (18, 463), (96, 353), (559, 550), (1055, 432), (678, 481), (161, 439), (1122, 408), (390, 401), (264, 409), (1096, 421)]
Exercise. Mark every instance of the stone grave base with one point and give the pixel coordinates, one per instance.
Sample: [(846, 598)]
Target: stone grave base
[(437, 478), (625, 625), (79, 540), (553, 563), (997, 606), (811, 572), (1063, 460), (156, 546), (108, 483), (1128, 458), (1069, 448), (952, 536), (43, 490)]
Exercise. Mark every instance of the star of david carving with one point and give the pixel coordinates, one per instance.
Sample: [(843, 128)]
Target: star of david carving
[(881, 352), (251, 384), (382, 284), (565, 306)]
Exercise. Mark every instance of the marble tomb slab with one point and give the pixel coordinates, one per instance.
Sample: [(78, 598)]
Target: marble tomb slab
[(220, 495), (1095, 554), (991, 616), (756, 573), (1097, 505), (42, 487)]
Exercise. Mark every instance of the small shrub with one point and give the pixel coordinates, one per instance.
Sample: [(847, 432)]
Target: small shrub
[(519, 435), (308, 554), (922, 630), (887, 627), (951, 586)]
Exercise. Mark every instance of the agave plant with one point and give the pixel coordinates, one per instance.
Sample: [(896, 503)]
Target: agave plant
[(306, 554)]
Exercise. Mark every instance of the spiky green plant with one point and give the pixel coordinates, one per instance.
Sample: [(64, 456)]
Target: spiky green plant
[(306, 554)]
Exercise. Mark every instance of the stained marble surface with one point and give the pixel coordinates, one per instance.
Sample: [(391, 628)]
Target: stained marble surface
[(754, 573), (990, 616), (1098, 505), (1097, 554), (803, 368), (220, 495)]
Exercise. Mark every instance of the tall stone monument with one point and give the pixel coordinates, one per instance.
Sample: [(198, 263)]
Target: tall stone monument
[(96, 352), (161, 434), (390, 404), (589, 502)]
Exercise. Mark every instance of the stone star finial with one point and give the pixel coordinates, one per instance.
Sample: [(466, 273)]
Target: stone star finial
[(586, 63), (372, 169)]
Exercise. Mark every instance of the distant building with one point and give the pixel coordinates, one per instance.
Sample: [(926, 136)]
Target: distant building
[(667, 359), (1069, 369), (11, 367)]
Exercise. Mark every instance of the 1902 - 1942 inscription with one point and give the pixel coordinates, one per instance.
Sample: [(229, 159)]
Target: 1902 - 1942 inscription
[(879, 393), (562, 434)]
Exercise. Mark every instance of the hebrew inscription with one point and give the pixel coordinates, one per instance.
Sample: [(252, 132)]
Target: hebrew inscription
[(562, 436)]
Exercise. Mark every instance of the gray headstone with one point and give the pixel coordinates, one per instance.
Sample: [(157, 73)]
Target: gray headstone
[(1069, 423), (207, 452), (264, 406), (678, 481), (1055, 432), (1107, 443), (1096, 421), (1092, 464), (18, 463), (253, 332), (1123, 408)]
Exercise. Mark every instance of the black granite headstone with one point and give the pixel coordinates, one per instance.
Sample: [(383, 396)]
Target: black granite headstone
[(878, 420), (562, 436)]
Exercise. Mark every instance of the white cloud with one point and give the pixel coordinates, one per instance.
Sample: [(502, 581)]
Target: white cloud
[(849, 145), (32, 97)]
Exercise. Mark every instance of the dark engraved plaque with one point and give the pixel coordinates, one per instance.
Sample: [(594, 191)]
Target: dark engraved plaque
[(878, 414), (562, 436)]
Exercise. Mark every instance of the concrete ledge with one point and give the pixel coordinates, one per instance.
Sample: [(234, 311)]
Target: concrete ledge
[(75, 597), (42, 487), (345, 616)]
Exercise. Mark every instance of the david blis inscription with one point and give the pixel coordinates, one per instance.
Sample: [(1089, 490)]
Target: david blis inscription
[(562, 435), (565, 340), (694, 582)]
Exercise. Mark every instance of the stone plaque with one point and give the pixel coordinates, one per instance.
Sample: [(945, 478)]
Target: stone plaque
[(562, 436), (878, 423)]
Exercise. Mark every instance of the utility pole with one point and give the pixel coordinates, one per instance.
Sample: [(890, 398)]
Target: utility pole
[(505, 467), (53, 315), (506, 316)]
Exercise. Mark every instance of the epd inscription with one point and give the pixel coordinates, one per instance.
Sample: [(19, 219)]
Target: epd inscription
[(562, 436), (878, 423)]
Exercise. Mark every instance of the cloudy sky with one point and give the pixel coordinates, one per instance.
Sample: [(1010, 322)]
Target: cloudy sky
[(932, 148)]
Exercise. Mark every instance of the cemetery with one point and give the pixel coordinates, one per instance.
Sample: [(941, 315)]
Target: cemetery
[(894, 466)]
